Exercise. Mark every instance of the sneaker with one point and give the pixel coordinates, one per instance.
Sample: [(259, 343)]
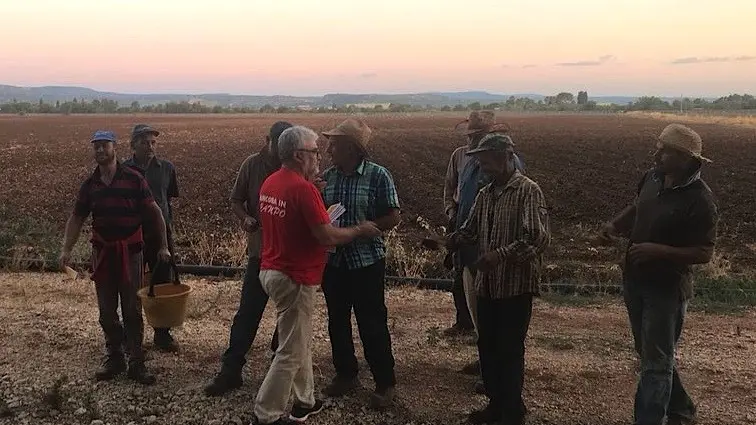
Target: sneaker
[(488, 415), (223, 383), (114, 365), (137, 372), (382, 399), (301, 413), (339, 387), (472, 368)]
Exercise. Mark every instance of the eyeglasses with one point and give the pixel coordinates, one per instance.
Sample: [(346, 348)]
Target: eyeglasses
[(316, 151)]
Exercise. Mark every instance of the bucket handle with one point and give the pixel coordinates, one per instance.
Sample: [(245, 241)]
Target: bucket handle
[(176, 280)]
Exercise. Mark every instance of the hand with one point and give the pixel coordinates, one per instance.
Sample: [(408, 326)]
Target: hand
[(250, 224), (319, 183), (164, 255), (369, 229), (452, 218), (488, 261), (607, 233), (647, 251), (65, 259)]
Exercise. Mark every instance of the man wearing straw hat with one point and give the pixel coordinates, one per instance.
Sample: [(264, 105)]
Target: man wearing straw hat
[(510, 226), (354, 275), (471, 178), (160, 174), (671, 225), (120, 202)]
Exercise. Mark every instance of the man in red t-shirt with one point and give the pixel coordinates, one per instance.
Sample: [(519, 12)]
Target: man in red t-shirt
[(297, 234)]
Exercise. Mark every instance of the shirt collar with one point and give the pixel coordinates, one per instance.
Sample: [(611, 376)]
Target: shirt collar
[(360, 170), (155, 160), (659, 177)]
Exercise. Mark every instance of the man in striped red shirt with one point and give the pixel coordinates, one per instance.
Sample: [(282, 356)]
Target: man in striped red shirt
[(120, 202)]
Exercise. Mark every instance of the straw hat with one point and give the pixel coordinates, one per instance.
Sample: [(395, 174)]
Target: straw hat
[(355, 129), (682, 138), (480, 122)]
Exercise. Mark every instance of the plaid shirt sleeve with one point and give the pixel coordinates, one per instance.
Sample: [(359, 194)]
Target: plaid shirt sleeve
[(386, 194), (537, 233)]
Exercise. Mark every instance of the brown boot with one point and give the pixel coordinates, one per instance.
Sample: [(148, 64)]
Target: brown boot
[(113, 365)]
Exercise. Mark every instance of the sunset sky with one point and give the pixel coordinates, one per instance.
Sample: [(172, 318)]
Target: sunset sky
[(660, 47)]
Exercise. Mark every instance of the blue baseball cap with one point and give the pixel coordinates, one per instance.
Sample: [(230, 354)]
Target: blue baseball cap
[(104, 135)]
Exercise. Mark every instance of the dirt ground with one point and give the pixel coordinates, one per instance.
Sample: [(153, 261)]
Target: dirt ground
[(587, 165), (580, 364)]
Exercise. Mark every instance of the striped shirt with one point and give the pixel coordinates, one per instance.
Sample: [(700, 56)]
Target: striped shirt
[(118, 209), (367, 194), (510, 219)]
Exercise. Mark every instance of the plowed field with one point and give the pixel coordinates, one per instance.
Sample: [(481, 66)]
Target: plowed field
[(587, 165)]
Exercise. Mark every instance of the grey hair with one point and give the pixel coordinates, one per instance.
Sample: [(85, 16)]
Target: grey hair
[(291, 139)]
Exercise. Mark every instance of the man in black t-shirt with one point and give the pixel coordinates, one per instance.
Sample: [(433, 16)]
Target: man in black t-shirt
[(672, 225)]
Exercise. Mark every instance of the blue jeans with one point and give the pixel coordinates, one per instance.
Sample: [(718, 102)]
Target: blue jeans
[(656, 315)]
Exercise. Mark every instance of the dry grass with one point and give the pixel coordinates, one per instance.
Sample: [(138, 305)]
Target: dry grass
[(580, 364), (710, 117)]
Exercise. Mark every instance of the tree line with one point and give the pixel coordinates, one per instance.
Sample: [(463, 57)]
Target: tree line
[(563, 101)]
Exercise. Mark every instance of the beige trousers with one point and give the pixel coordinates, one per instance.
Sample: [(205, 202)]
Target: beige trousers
[(471, 296), (291, 370)]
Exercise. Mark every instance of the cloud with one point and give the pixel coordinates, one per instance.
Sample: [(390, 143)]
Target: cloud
[(368, 75), (601, 60), (529, 66), (715, 59)]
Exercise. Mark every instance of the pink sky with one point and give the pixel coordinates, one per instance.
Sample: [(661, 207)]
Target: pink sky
[(309, 48)]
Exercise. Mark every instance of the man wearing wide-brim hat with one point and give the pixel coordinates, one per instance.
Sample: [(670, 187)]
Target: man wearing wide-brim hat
[(354, 275), (465, 184), (671, 225)]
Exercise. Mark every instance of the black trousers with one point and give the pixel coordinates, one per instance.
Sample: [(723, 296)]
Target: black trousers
[(362, 289), (160, 272), (502, 327), (462, 317), (247, 320)]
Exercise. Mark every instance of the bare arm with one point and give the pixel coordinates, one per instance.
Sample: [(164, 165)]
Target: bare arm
[(623, 222), (328, 235), (689, 255), (156, 216), (73, 230), (238, 208)]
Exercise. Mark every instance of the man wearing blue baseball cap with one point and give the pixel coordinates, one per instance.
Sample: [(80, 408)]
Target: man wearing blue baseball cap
[(120, 202), (161, 177)]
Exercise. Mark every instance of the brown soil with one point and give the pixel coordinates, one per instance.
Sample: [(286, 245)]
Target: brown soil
[(587, 165)]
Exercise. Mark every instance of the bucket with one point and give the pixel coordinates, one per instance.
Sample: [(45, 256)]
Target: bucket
[(165, 303)]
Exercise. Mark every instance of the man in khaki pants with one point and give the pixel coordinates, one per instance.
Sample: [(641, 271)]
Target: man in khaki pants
[(297, 234)]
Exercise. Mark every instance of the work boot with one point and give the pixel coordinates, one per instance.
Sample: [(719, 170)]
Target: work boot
[(138, 373), (112, 366), (163, 340), (472, 368), (223, 383), (339, 386), (382, 399)]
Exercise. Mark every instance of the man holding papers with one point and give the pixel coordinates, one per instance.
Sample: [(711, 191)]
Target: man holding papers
[(354, 275)]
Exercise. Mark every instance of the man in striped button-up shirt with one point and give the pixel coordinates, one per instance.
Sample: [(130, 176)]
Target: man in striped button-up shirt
[(509, 224)]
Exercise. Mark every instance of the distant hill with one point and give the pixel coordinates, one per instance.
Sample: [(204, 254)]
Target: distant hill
[(51, 94)]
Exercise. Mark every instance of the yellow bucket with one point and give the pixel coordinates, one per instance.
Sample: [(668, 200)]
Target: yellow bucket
[(165, 304)]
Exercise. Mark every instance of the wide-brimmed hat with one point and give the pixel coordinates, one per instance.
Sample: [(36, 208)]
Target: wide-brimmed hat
[(682, 138), (492, 142), (355, 130), (480, 122)]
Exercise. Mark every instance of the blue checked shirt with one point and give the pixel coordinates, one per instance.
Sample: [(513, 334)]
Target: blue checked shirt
[(368, 194)]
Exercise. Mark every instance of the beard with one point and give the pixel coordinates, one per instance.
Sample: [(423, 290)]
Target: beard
[(105, 158)]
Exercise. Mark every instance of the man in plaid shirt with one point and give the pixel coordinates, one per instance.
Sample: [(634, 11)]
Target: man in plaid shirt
[(509, 225), (354, 274)]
